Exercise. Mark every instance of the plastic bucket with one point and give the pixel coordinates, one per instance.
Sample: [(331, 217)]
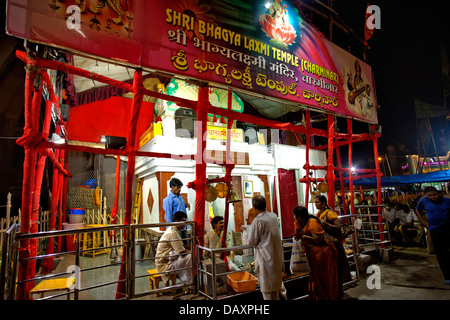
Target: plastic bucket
[(76, 218), (139, 250), (76, 210), (71, 226)]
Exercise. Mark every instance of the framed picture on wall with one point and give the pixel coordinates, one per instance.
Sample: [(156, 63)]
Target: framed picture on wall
[(248, 188)]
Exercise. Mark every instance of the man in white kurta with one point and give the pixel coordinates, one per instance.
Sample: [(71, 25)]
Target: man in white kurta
[(166, 252), (264, 235)]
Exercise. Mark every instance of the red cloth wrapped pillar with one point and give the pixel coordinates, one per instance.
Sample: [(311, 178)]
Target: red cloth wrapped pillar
[(60, 198), (138, 90), (47, 266), (330, 167), (229, 167), (29, 165), (200, 163), (306, 166), (350, 173), (341, 180), (37, 191)]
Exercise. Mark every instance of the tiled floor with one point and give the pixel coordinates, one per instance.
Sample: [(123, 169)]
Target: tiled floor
[(413, 274), (108, 274)]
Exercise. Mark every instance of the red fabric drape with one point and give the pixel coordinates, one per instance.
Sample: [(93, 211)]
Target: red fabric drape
[(288, 200), (109, 117)]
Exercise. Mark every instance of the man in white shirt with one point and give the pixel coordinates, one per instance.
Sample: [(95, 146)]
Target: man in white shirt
[(213, 239), (264, 235), (392, 221), (410, 228), (171, 253)]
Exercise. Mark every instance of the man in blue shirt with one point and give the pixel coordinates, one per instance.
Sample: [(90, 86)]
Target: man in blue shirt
[(174, 202), (437, 209)]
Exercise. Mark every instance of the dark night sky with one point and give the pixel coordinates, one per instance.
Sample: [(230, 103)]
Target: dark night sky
[(405, 60)]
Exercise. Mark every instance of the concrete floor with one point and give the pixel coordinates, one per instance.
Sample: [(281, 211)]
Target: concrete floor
[(413, 274)]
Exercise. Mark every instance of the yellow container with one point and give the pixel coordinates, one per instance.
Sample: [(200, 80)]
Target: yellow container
[(242, 281)]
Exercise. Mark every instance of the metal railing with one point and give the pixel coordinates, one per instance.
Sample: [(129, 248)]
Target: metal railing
[(191, 245), (8, 263), (214, 274), (11, 259)]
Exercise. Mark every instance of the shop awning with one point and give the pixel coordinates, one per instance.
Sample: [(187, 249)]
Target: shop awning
[(436, 176)]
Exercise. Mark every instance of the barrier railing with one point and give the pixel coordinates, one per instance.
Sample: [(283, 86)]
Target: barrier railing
[(10, 260), (8, 263), (171, 287), (214, 274)]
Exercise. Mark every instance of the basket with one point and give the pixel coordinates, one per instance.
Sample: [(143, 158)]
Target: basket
[(242, 281)]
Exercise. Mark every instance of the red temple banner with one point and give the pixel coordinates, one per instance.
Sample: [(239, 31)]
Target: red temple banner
[(260, 46)]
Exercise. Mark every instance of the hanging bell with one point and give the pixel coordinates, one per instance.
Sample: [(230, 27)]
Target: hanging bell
[(323, 187), (234, 197), (314, 194)]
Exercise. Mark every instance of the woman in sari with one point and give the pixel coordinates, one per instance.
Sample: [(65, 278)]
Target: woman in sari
[(332, 225), (321, 255)]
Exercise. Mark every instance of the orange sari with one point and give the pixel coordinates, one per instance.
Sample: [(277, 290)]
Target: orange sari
[(322, 258)]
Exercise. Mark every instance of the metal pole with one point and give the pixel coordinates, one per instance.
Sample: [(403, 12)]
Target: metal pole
[(130, 260), (389, 166), (214, 274), (8, 208), (132, 268), (193, 256), (434, 142), (77, 264)]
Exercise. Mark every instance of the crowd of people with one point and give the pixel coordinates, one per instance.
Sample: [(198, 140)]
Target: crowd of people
[(321, 237)]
